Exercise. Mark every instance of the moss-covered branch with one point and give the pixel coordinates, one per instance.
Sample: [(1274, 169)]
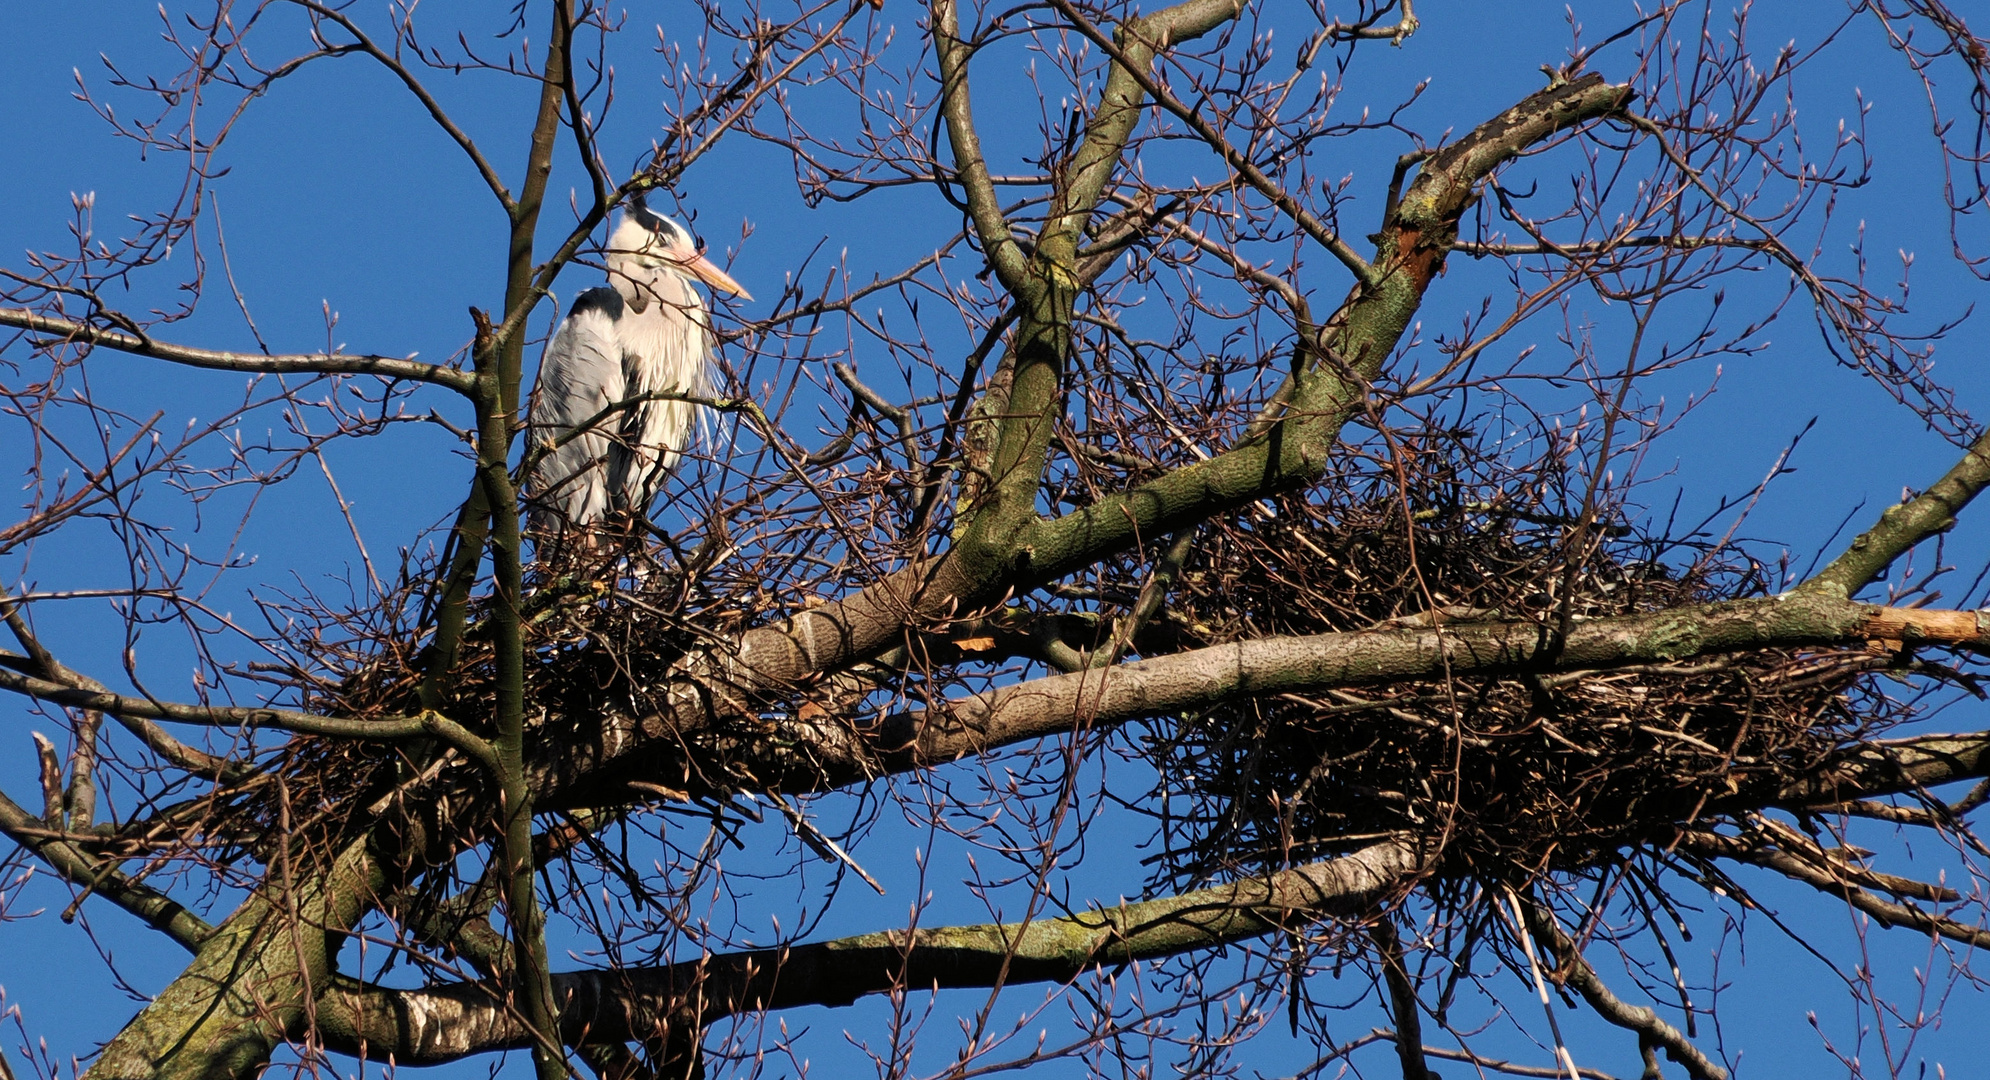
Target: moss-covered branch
[(446, 1023), (1131, 50), (1294, 452), (1905, 525), (1134, 48), (1047, 290), (251, 983)]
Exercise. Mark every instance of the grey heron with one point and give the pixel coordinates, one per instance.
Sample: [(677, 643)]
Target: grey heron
[(645, 333)]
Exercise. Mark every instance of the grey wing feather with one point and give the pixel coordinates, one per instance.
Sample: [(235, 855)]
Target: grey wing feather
[(665, 349), (580, 376)]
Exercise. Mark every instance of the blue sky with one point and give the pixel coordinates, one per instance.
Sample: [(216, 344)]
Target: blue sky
[(340, 197)]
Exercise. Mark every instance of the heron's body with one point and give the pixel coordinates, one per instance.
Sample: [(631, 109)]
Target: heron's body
[(607, 381)]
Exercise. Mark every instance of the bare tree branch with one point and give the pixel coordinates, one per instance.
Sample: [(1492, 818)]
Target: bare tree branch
[(99, 877), (1574, 971), (253, 363), (1901, 527), (444, 1024)]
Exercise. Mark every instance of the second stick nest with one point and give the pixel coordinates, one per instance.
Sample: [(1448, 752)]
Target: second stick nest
[(1505, 777)]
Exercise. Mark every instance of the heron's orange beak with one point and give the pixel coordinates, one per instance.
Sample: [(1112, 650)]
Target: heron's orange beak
[(707, 271)]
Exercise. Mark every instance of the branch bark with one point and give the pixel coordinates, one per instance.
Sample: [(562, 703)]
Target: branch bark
[(442, 1024), (1208, 676), (249, 984), (385, 367), (1903, 526), (1575, 972), (1289, 452)]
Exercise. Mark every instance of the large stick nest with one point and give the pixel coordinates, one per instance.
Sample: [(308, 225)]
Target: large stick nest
[(1506, 777), (601, 634)]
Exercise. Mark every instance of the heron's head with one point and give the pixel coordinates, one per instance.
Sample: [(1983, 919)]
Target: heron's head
[(657, 242)]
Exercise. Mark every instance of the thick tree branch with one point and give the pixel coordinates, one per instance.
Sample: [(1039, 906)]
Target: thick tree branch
[(1208, 676), (973, 725), (443, 1024), (1133, 48), (532, 985), (250, 983), (1903, 526), (1046, 293)]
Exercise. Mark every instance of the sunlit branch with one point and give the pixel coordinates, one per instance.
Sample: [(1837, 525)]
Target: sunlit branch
[(249, 981), (1901, 527), (1236, 159), (1265, 666), (1891, 767), (1574, 971), (441, 1024), (1140, 42), (385, 367), (101, 877)]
